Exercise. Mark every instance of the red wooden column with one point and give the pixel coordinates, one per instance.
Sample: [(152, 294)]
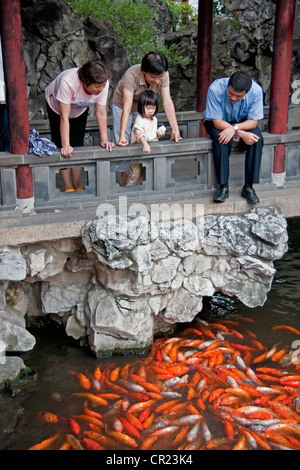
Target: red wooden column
[(205, 19), (281, 74), (16, 91)]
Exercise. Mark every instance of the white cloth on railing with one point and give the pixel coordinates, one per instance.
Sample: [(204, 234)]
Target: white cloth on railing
[(40, 145)]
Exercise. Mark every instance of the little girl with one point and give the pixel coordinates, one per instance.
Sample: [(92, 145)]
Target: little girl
[(144, 130)]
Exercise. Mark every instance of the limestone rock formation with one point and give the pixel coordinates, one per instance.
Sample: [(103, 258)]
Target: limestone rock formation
[(130, 278)]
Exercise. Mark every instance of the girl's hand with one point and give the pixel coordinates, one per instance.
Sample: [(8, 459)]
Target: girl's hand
[(146, 147), (123, 142), (107, 145), (66, 151)]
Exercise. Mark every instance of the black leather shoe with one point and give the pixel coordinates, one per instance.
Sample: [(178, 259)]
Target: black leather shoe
[(221, 194), (249, 194)]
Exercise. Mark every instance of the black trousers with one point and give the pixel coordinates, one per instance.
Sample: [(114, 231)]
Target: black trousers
[(221, 155), (77, 128)]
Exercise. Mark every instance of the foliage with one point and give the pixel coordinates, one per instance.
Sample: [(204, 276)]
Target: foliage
[(134, 23), (182, 14), (132, 20)]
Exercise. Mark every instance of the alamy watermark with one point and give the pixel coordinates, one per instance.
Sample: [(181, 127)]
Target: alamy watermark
[(162, 214)]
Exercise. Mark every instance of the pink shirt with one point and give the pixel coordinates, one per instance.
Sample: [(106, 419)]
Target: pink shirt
[(68, 89)]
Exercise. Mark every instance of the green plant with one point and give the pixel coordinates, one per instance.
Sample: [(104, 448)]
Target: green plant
[(135, 24), (132, 20), (182, 13)]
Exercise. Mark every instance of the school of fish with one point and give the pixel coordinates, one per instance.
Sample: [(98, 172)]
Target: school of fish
[(214, 386)]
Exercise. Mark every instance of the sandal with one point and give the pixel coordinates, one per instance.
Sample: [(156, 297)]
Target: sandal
[(69, 190), (81, 188)]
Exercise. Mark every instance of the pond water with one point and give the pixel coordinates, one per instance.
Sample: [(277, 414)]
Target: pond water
[(58, 361)]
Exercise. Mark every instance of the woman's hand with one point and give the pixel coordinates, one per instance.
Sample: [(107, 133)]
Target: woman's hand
[(123, 142), (107, 145), (66, 151)]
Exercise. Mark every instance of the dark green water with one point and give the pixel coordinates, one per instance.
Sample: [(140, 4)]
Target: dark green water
[(54, 355)]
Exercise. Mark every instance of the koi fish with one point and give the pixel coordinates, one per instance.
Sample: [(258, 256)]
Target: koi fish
[(73, 442), (286, 328), (48, 417), (122, 438), (44, 445), (98, 401), (83, 380), (90, 444)]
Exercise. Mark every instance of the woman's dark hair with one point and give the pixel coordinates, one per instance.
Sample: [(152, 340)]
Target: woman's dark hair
[(147, 98), (240, 81), (94, 71), (155, 63)]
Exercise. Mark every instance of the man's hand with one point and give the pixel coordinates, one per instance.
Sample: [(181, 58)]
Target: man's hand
[(248, 137), (226, 135)]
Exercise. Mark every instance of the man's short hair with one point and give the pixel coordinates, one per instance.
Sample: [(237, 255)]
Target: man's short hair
[(155, 63), (240, 81)]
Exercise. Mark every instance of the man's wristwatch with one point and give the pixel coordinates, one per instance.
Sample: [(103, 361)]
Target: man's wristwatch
[(236, 127)]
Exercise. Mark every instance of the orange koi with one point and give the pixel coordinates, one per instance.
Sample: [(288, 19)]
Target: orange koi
[(74, 426), (122, 438), (87, 419), (291, 383), (242, 347), (97, 401), (178, 370), (92, 413), (229, 429), (260, 441), (275, 437), (97, 373), (278, 355), (83, 380), (181, 435), (105, 441), (148, 442), (133, 420), (215, 394), (65, 446), (44, 445), (240, 444), (270, 370), (115, 387), (90, 444), (286, 328), (114, 374), (238, 391), (129, 428), (141, 406), (236, 333), (166, 405), (200, 403), (144, 415), (257, 344), (108, 396), (148, 420), (48, 417), (269, 378)]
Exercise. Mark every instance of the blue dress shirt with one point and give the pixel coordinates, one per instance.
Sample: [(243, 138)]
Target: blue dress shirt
[(218, 105)]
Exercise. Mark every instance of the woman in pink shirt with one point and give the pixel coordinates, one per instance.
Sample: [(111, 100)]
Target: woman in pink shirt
[(68, 99)]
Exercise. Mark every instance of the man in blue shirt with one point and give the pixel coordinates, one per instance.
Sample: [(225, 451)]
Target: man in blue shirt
[(233, 107)]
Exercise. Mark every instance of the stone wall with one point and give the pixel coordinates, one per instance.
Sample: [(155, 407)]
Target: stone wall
[(132, 277), (55, 39)]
